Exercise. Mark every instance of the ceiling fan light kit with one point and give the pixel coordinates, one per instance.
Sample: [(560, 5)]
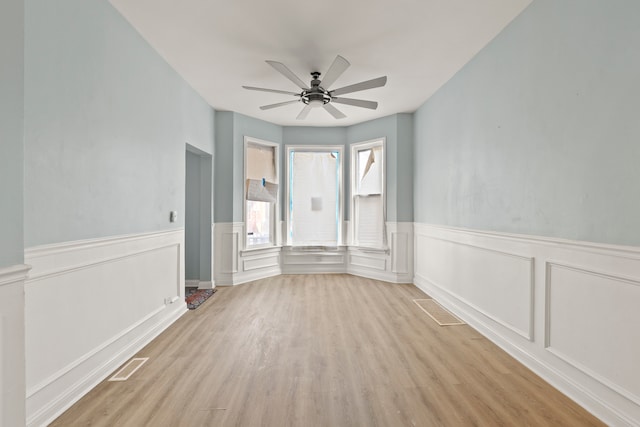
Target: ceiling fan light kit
[(318, 94)]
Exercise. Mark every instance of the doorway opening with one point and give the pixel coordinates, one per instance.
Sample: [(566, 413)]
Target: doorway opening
[(198, 220)]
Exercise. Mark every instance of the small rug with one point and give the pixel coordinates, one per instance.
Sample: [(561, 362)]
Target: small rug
[(194, 297)]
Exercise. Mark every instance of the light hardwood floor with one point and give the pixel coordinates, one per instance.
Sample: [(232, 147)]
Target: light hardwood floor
[(323, 350)]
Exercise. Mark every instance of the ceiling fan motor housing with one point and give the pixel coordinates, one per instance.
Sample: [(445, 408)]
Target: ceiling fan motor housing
[(316, 95)]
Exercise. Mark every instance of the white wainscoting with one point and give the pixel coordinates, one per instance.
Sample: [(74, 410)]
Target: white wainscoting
[(91, 305), (297, 260), (233, 264), (12, 350), (393, 265), (568, 310)]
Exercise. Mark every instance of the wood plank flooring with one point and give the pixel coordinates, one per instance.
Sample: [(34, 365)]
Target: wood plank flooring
[(323, 350)]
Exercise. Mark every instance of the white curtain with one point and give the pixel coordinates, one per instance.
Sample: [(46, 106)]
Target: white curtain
[(314, 196)]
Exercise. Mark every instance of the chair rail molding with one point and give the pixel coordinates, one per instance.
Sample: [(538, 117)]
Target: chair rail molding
[(568, 310), (125, 289)]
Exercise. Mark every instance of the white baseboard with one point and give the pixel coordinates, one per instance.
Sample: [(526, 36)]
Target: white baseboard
[(234, 265), (394, 265), (207, 284), (110, 357), (65, 357), (537, 298), (299, 261), (200, 284)]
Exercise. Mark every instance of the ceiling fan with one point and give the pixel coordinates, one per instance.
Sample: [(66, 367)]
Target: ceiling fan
[(318, 94)]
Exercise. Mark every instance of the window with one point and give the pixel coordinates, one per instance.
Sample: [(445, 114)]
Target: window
[(314, 193), (261, 192), (368, 196)]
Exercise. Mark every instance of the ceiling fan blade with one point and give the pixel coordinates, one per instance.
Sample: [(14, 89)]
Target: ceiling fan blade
[(334, 111), (369, 84), (305, 112), (261, 89), (282, 69), (356, 102), (279, 104), (335, 70)]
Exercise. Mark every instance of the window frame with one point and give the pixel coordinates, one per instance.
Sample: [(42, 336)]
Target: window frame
[(314, 148), (274, 210), (355, 148)]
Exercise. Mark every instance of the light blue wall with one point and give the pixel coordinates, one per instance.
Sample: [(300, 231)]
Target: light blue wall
[(404, 168), (307, 135), (231, 128), (106, 124), (206, 216), (192, 231), (539, 134), (223, 167), (11, 131), (397, 129)]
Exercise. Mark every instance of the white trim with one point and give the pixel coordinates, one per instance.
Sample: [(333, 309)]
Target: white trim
[(554, 376), (528, 334), (200, 284), (14, 274), (206, 284), (476, 308), (355, 147), (71, 268), (54, 408), (584, 376), (191, 283), (150, 263), (341, 192), (234, 265), (547, 330), (57, 248), (395, 264), (275, 207), (71, 366), (632, 252), (12, 345)]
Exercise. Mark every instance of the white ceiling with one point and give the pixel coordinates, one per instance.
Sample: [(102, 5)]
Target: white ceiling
[(219, 45)]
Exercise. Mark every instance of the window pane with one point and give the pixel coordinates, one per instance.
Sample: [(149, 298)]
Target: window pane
[(258, 221), (369, 221), (367, 162), (314, 192)]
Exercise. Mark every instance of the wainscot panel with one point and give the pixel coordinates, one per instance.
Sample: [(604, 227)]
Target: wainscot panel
[(91, 305), (568, 310)]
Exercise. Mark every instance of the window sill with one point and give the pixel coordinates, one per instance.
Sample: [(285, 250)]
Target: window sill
[(260, 249), (370, 250), (314, 248)]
